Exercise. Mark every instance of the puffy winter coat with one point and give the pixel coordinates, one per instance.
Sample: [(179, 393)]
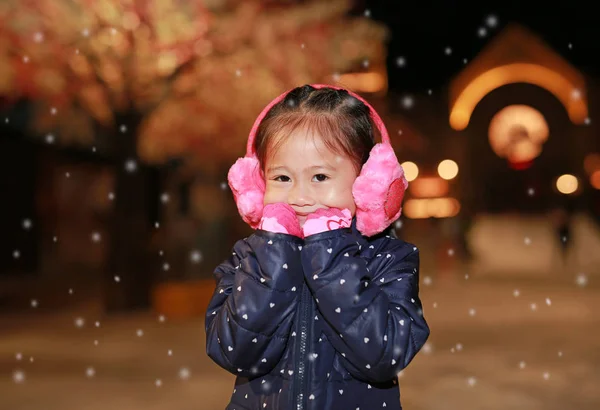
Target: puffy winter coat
[(321, 323)]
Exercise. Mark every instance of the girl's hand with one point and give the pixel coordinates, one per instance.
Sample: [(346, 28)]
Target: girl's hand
[(280, 218), (326, 219)]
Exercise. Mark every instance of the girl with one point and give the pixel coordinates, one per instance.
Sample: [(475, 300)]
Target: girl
[(319, 308)]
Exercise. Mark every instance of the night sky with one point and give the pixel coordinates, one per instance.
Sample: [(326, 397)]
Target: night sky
[(421, 31)]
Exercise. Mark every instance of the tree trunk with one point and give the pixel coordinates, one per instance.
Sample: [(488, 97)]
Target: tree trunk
[(132, 267)]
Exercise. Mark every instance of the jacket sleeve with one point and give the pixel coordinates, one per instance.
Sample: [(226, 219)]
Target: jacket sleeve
[(373, 315), (249, 317)]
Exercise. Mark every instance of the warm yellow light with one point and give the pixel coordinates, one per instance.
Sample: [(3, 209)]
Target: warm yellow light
[(555, 83), (428, 187), (411, 170), (595, 179), (448, 169), (567, 184), (591, 163), (517, 133), (371, 82), (431, 208)]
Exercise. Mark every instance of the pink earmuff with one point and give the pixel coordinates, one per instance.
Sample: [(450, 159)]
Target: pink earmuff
[(378, 190)]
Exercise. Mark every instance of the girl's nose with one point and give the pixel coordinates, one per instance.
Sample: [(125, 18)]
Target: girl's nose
[(300, 196)]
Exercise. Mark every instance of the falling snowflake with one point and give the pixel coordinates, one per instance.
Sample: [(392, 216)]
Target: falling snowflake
[(367, 13), (16, 254), (587, 121), (158, 382), (401, 61), (560, 353), (166, 266), (471, 381), (130, 165), (195, 256), (111, 196), (18, 376), (491, 21), (224, 186), (79, 322), (27, 224), (427, 280), (576, 94), (398, 224), (161, 318), (19, 356), (472, 312), (123, 128), (97, 324), (85, 32), (546, 375), (450, 252), (53, 110), (170, 352), (531, 192), (70, 291), (50, 138), (516, 293), (482, 32), (139, 333), (448, 51), (156, 225), (570, 46), (581, 280), (238, 73), (427, 348), (408, 102), (25, 59), (548, 301), (96, 237), (184, 373), (533, 306), (68, 174), (90, 372), (527, 240), (164, 198), (117, 279), (522, 365), (34, 303)]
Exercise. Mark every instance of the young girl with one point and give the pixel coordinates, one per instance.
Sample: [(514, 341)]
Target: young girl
[(319, 308)]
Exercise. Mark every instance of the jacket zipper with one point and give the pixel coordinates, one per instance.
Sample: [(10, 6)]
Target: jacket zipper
[(300, 358)]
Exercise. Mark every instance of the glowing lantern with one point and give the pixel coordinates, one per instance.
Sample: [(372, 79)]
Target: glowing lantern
[(567, 184), (448, 169), (411, 170), (517, 133)]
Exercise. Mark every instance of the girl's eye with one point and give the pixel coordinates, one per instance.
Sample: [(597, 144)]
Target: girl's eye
[(282, 178), (321, 177)]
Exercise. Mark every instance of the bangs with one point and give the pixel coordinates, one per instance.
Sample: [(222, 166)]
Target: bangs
[(327, 127)]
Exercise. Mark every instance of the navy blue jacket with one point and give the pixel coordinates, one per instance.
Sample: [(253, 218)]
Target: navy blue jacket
[(321, 323)]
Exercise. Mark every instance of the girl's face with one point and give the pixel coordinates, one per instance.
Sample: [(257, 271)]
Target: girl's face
[(307, 175)]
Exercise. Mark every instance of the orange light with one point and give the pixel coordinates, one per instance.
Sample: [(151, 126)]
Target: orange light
[(567, 184), (411, 170), (428, 187), (595, 179), (448, 169), (591, 163), (555, 83), (431, 208), (371, 82)]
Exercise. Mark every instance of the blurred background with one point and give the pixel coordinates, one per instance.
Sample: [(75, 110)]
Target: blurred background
[(120, 119)]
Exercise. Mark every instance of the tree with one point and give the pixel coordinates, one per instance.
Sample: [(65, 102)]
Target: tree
[(164, 79)]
